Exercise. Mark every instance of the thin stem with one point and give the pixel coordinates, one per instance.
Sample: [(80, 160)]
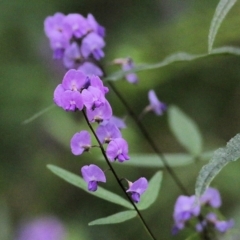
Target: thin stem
[(149, 139), (117, 178)]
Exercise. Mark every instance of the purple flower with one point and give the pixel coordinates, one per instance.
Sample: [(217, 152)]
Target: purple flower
[(108, 132), (95, 81), (185, 208), (155, 105), (127, 65), (95, 26), (104, 112), (72, 56), (117, 149), (44, 228), (71, 101), (78, 24), (74, 80), (137, 188), (89, 69), (93, 44), (93, 98), (57, 95), (211, 197), (221, 226), (224, 226), (58, 33), (92, 174), (80, 142)]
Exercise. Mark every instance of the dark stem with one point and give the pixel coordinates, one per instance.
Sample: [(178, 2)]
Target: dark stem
[(116, 177), (149, 139)]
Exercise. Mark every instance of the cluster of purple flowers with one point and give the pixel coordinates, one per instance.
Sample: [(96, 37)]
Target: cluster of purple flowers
[(79, 92), (186, 209), (77, 40)]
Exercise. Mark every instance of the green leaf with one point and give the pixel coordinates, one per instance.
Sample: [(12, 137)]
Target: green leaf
[(79, 182), (38, 114), (115, 218), (153, 161), (174, 58), (150, 196), (224, 6), (185, 130), (220, 158)]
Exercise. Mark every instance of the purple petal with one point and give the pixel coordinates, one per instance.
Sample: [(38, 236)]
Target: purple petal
[(89, 69), (211, 197), (223, 226), (92, 186), (108, 132), (157, 106), (95, 26), (72, 56), (78, 23), (80, 142), (92, 44), (74, 80), (93, 173), (93, 98), (72, 100), (96, 82), (57, 95), (117, 149), (135, 197), (139, 186), (101, 113)]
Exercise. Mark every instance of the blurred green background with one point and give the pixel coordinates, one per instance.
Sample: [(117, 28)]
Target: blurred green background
[(208, 90)]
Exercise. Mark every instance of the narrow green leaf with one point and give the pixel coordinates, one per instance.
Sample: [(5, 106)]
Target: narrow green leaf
[(153, 161), (38, 114), (150, 196), (223, 7), (79, 182), (115, 218), (185, 130), (174, 58), (220, 158)]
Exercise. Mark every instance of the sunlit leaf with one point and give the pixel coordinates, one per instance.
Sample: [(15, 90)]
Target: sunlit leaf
[(150, 196), (185, 130), (79, 182), (220, 158), (38, 114), (115, 218), (224, 6)]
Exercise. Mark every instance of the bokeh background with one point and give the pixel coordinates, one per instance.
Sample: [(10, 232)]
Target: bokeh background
[(208, 90)]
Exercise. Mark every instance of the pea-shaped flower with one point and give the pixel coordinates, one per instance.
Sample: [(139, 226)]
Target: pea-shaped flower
[(80, 142), (108, 132), (211, 197), (185, 208), (117, 149), (155, 105), (137, 188), (92, 174)]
